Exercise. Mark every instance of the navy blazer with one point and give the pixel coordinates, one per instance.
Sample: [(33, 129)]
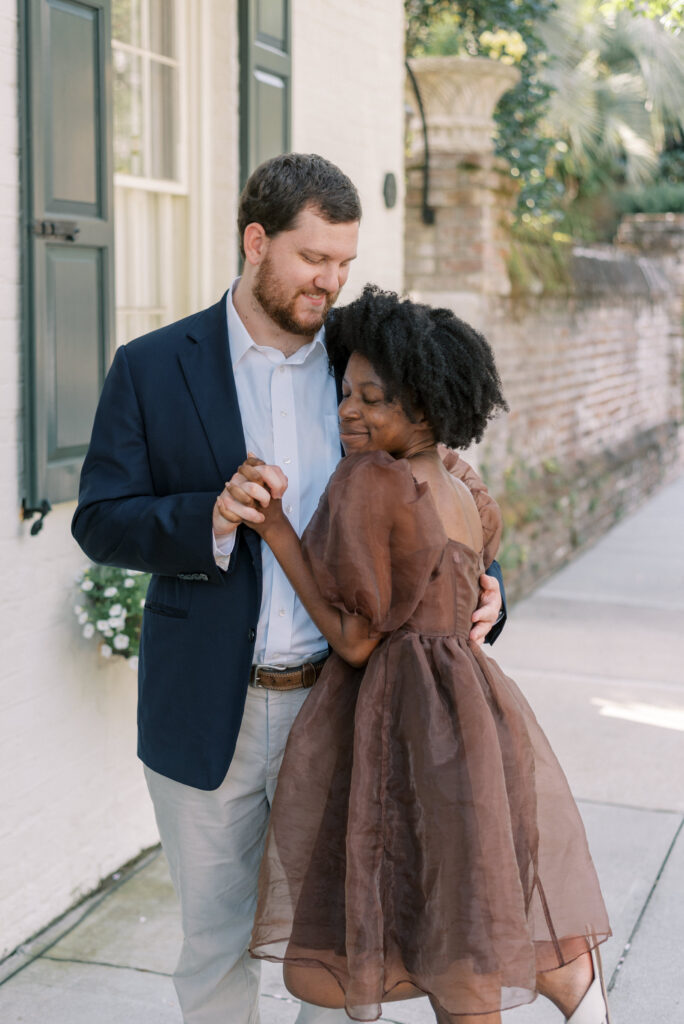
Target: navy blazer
[(167, 435)]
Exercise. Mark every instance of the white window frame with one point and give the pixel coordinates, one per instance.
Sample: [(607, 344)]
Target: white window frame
[(192, 38), (180, 62)]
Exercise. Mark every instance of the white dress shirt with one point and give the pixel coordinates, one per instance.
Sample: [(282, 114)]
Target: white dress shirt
[(289, 416)]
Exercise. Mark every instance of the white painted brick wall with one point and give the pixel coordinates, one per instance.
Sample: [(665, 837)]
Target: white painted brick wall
[(73, 804), (348, 105)]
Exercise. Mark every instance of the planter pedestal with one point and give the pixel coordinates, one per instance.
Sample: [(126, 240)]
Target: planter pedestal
[(462, 257)]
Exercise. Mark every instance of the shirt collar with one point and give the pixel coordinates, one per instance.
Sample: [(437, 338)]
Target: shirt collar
[(240, 340)]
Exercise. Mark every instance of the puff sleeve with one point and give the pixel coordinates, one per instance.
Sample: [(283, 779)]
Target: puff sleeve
[(375, 540)]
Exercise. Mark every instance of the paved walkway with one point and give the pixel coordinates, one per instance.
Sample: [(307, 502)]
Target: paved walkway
[(599, 650)]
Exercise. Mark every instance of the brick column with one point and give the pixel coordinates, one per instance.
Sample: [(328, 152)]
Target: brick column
[(461, 258)]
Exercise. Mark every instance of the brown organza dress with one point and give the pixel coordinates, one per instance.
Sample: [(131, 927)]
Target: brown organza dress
[(422, 829)]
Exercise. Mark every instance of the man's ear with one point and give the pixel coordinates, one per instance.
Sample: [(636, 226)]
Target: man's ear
[(255, 242)]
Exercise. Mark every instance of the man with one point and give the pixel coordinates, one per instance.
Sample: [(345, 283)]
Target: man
[(178, 412)]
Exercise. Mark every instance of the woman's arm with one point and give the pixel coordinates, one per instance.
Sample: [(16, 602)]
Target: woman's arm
[(348, 635)]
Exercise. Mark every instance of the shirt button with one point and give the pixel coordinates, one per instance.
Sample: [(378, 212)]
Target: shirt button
[(251, 635), (281, 612), (289, 509), (283, 412), (287, 461)]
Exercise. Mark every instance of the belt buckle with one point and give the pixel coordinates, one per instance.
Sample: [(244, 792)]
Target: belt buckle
[(259, 667)]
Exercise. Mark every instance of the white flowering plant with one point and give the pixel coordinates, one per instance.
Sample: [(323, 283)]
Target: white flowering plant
[(109, 609)]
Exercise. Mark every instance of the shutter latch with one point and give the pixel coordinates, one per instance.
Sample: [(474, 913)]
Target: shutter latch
[(63, 229)]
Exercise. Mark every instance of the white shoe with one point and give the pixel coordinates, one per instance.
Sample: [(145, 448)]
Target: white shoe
[(594, 1006)]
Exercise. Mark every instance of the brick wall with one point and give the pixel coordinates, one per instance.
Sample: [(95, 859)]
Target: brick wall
[(589, 351), (594, 386)]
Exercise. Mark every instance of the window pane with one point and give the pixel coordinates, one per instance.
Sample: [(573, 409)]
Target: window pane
[(163, 27), (126, 22), (128, 131), (163, 127), (271, 116), (271, 22)]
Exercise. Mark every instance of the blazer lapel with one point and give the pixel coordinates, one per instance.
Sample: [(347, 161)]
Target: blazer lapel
[(208, 373), (209, 376)]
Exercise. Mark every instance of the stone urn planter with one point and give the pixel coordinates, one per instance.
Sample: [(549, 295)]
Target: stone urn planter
[(459, 202), (459, 95)]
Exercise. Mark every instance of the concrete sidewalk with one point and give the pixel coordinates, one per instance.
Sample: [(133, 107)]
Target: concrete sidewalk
[(599, 651)]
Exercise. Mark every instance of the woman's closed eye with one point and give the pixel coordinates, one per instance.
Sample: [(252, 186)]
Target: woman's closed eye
[(366, 399)]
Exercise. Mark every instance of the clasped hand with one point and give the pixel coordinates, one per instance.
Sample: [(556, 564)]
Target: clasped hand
[(251, 496)]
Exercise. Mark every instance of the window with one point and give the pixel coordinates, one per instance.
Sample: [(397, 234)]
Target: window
[(146, 72), (151, 196)]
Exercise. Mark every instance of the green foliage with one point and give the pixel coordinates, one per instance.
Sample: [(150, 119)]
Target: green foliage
[(109, 609), (600, 96), (671, 168), (670, 13), (617, 80), (539, 261), (659, 197), (505, 30)]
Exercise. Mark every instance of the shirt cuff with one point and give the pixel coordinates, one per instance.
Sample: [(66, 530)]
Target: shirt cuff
[(223, 549)]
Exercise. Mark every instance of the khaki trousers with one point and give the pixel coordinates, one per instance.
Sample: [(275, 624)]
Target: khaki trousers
[(213, 842)]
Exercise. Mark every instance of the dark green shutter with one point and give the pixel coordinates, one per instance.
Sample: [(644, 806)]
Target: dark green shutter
[(68, 239), (265, 82)]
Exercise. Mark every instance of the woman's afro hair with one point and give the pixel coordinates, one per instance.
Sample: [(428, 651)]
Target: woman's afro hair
[(434, 363)]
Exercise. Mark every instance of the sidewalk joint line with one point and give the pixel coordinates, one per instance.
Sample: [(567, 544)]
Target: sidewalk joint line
[(614, 600), (628, 945), (627, 807), (92, 901), (590, 678), (103, 963)]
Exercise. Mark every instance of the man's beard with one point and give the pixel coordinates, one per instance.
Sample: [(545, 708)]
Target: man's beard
[(269, 295)]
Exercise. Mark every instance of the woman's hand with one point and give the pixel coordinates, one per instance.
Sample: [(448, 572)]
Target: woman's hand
[(254, 493)]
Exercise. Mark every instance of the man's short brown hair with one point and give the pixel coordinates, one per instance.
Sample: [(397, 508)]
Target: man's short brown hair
[(280, 188)]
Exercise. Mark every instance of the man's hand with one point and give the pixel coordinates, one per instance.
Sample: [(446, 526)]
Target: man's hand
[(265, 485), (247, 498), (488, 608)]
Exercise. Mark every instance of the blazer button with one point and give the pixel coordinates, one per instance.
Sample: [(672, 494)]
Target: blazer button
[(251, 635)]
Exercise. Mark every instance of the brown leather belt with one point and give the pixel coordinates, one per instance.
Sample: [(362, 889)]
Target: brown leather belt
[(287, 678)]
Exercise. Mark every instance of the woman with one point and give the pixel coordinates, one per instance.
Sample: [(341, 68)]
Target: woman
[(423, 838)]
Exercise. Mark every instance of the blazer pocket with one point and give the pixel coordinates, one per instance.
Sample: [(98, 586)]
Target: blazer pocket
[(167, 595)]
